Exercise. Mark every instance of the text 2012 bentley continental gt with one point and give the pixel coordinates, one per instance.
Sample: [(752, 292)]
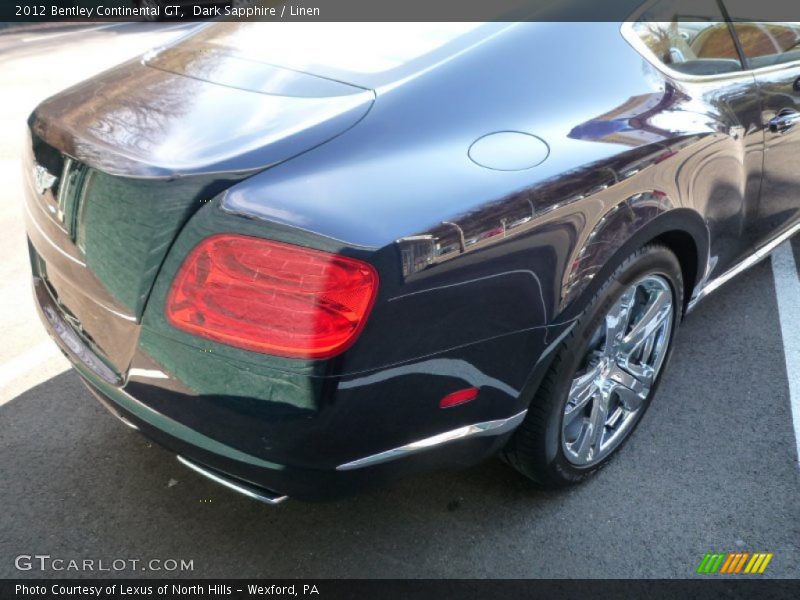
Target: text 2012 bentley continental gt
[(305, 257)]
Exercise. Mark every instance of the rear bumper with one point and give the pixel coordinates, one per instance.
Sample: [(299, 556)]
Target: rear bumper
[(103, 265), (255, 477), (241, 487), (274, 484)]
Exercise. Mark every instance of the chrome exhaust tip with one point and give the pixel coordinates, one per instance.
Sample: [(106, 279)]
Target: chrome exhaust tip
[(259, 494)]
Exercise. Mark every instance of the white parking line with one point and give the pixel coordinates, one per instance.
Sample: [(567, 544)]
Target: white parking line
[(161, 28), (21, 365), (787, 288), (52, 36)]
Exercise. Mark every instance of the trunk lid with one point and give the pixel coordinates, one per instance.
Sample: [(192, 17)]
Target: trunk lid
[(117, 164)]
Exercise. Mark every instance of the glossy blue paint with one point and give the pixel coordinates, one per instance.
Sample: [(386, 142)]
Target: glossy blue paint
[(481, 269)]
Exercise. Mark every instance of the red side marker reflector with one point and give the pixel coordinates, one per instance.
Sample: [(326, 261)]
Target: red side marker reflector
[(459, 397)]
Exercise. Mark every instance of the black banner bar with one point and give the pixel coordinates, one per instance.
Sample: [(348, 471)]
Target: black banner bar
[(365, 10), (399, 589)]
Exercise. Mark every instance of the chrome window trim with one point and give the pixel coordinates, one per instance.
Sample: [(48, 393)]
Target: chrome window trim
[(630, 36)]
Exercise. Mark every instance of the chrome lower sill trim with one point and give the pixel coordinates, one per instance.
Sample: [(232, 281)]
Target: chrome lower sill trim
[(261, 496), (748, 262), (497, 427)]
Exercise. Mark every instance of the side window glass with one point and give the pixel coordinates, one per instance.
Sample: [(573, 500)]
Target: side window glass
[(764, 44), (689, 36)]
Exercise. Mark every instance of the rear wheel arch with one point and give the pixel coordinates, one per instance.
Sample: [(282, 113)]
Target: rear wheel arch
[(684, 246), (682, 230), (538, 447)]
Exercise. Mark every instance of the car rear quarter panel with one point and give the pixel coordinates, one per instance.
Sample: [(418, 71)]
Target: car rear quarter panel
[(627, 145), (517, 250)]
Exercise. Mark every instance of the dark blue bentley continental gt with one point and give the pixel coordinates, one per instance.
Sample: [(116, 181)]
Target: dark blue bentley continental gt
[(308, 257)]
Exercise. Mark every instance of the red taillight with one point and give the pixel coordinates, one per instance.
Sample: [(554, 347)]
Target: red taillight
[(272, 297)]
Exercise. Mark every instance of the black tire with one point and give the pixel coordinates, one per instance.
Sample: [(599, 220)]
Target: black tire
[(535, 449)]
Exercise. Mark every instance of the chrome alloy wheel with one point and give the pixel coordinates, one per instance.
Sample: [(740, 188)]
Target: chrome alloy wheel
[(625, 356)]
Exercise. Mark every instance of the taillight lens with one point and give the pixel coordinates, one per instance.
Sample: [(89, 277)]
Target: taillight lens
[(272, 297)]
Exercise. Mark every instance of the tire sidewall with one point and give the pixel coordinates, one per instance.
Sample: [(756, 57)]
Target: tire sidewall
[(651, 260)]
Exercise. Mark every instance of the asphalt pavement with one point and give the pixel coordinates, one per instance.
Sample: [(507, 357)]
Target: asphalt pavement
[(712, 468)]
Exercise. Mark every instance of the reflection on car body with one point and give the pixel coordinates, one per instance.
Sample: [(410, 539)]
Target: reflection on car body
[(304, 282)]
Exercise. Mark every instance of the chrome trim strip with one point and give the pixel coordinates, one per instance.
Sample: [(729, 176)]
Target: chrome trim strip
[(748, 262), (261, 496), (125, 421), (468, 431), (147, 373), (46, 238)]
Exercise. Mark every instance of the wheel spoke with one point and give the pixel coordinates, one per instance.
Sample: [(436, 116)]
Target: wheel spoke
[(644, 373), (647, 351), (583, 390), (615, 417), (595, 428), (631, 391), (656, 312), (617, 321)]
